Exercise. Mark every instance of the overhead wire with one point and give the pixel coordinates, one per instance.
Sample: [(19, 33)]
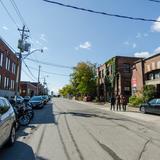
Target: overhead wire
[(157, 1), (10, 16), (102, 13), (58, 74), (18, 13), (50, 64), (29, 70), (28, 75)]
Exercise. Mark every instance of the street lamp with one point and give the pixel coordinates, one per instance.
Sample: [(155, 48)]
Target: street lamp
[(29, 53)]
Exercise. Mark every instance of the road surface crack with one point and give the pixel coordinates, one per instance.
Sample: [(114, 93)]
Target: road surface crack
[(144, 149)]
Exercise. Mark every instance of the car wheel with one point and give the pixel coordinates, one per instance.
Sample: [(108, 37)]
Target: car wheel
[(12, 136), (24, 120), (143, 109)]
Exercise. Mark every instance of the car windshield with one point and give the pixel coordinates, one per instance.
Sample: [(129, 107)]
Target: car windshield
[(36, 98), (153, 101)]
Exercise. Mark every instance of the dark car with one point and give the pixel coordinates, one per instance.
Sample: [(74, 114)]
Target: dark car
[(152, 106), (7, 123), (36, 102)]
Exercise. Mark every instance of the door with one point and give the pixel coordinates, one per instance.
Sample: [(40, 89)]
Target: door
[(157, 106), (151, 106), (4, 121)]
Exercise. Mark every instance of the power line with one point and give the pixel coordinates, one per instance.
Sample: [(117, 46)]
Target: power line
[(29, 70), (158, 1), (18, 12), (58, 74), (8, 13), (28, 75), (102, 13), (49, 64)]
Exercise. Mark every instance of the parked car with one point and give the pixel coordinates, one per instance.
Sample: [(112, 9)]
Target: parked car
[(36, 102), (152, 106), (45, 98), (7, 123)]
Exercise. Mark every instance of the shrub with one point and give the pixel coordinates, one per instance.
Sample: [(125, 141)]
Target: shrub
[(136, 101)]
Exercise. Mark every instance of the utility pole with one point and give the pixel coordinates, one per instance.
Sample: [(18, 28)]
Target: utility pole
[(39, 72), (22, 47)]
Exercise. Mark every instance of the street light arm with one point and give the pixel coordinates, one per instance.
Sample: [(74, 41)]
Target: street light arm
[(26, 55)]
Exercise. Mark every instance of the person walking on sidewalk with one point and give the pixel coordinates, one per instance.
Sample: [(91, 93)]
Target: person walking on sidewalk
[(113, 100), (118, 102), (124, 102)]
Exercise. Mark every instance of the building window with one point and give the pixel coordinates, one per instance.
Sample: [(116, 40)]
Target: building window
[(102, 73), (158, 64), (157, 75), (12, 84), (0, 81), (13, 68), (127, 67), (153, 66), (9, 62), (1, 59), (151, 76), (148, 68)]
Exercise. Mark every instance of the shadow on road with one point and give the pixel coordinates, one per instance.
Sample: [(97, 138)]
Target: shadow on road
[(19, 151), (44, 115)]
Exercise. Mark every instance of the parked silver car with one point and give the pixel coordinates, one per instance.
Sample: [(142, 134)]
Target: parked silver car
[(7, 123)]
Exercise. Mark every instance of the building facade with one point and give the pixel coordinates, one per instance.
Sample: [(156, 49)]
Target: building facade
[(116, 77), (146, 72), (28, 89), (8, 70)]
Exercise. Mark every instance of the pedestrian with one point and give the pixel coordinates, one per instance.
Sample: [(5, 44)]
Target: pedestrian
[(124, 103), (118, 104), (113, 100)]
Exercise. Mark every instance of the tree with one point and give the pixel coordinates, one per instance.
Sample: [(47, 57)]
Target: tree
[(148, 92), (67, 90), (84, 78)]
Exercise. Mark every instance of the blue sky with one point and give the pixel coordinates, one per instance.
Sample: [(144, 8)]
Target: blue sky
[(69, 36)]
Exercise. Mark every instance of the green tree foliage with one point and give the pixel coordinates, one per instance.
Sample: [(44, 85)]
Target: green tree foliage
[(67, 90), (148, 92), (84, 78)]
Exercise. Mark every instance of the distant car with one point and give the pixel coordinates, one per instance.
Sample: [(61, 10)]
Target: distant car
[(7, 123), (152, 106), (36, 102)]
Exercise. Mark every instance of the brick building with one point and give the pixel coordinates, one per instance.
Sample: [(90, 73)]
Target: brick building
[(28, 89), (8, 70), (146, 72), (114, 77)]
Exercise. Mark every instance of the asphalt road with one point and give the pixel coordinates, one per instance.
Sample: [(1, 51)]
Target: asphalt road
[(67, 130)]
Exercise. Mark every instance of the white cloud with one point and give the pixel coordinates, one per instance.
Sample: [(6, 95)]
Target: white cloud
[(38, 42), (156, 25), (157, 50), (134, 45), (142, 54), (85, 45), (126, 43), (5, 28), (43, 37), (145, 35), (45, 48), (138, 35)]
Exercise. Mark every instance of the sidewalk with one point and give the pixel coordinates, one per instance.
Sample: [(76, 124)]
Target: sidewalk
[(106, 106)]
